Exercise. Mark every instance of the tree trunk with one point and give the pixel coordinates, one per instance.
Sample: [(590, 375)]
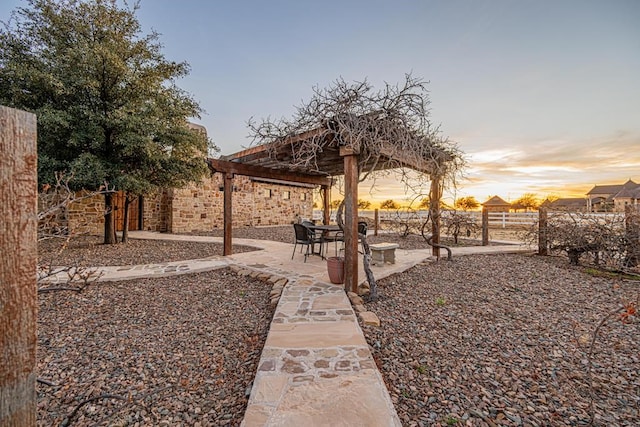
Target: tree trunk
[(109, 225), (18, 244), (125, 218)]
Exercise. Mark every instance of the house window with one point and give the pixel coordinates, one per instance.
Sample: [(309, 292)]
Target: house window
[(267, 193), (303, 196), (286, 195)]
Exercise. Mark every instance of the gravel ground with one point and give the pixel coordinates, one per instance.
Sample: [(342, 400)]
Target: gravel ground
[(480, 340), (177, 350), (502, 340), (88, 251)]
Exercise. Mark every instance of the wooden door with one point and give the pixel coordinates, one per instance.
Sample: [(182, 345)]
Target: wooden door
[(134, 212)]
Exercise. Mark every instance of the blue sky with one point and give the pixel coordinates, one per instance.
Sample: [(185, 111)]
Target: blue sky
[(542, 96)]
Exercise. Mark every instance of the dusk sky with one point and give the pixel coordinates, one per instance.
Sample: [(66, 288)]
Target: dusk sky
[(542, 96)]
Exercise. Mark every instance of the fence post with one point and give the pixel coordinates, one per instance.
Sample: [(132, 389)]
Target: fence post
[(485, 226), (376, 222), (632, 234), (543, 243), (18, 245)]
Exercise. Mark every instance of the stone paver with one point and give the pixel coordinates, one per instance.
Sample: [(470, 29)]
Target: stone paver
[(316, 368)]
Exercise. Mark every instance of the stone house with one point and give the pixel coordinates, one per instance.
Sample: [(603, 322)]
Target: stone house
[(199, 207), (613, 198)]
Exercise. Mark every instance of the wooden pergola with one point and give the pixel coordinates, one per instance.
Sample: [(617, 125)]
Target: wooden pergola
[(279, 160)]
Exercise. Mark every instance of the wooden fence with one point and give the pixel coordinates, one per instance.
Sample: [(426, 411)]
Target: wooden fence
[(496, 219)]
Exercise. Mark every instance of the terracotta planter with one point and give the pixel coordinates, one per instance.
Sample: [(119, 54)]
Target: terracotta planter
[(335, 268)]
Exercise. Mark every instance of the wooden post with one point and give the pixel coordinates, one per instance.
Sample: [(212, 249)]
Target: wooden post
[(632, 235), (434, 207), (543, 244), (376, 222), (18, 245), (350, 220), (228, 213), (326, 209), (485, 226)]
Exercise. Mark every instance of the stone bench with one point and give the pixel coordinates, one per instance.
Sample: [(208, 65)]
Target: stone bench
[(383, 252)]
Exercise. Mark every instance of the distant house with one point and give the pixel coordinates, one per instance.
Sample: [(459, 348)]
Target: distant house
[(608, 198), (571, 204), (496, 204)]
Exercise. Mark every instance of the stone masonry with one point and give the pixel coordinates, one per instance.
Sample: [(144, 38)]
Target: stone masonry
[(199, 207)]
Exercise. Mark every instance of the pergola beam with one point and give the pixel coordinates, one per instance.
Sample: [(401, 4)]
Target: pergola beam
[(236, 168)]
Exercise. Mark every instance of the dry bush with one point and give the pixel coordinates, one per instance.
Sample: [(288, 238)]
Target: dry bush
[(53, 224), (608, 241)]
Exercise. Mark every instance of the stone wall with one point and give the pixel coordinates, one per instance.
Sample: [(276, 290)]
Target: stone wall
[(86, 215), (199, 207), (155, 211)]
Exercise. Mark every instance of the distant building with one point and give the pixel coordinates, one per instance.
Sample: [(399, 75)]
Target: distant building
[(613, 198), (571, 204), (496, 204)]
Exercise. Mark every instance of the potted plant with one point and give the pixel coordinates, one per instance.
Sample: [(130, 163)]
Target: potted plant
[(335, 268)]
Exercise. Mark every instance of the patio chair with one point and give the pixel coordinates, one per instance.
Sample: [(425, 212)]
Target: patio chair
[(305, 237), (336, 237), (362, 229)]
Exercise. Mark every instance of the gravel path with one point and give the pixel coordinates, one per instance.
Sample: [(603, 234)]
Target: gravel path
[(489, 340), (180, 350)]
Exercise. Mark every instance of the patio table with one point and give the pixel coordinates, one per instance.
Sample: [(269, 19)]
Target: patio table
[(324, 231)]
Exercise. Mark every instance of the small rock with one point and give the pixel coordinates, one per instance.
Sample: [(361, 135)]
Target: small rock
[(369, 318)]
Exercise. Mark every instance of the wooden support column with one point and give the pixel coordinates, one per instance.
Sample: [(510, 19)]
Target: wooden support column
[(326, 209), (350, 219), (228, 212), (18, 245), (434, 206)]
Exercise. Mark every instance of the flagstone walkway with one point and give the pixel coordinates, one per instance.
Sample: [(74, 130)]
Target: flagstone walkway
[(316, 368)]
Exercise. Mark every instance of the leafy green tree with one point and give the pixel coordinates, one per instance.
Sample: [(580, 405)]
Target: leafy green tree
[(363, 204), (389, 204), (467, 203), (106, 99)]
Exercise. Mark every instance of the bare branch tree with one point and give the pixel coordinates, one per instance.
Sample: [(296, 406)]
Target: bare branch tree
[(606, 240), (53, 223), (389, 129), (456, 222)]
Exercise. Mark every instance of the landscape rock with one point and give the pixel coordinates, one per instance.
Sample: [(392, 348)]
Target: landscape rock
[(369, 318)]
